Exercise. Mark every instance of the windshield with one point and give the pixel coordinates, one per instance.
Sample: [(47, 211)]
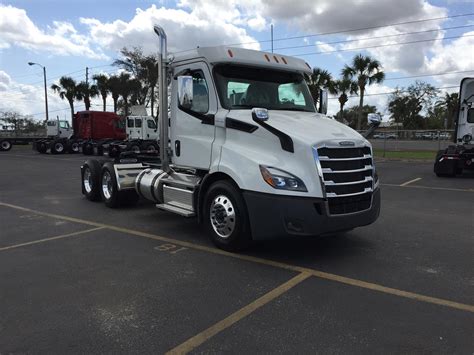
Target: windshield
[(245, 87)]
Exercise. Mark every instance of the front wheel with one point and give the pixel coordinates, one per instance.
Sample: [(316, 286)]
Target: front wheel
[(225, 217)]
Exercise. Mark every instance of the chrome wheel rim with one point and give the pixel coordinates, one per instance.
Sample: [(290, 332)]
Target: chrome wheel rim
[(151, 149), (59, 147), (135, 149), (222, 216), (87, 180), (107, 185), (75, 147), (6, 145)]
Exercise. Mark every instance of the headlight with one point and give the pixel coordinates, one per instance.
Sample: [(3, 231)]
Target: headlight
[(279, 179)]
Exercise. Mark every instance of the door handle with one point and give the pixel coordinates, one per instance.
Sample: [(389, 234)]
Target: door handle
[(177, 148)]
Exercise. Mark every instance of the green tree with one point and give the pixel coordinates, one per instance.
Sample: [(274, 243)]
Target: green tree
[(407, 105), (129, 90), (68, 89), (342, 88), (144, 68), (319, 79), (88, 91), (102, 84), (365, 71), (449, 103)]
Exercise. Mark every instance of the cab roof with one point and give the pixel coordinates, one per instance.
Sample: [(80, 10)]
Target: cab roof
[(235, 55)]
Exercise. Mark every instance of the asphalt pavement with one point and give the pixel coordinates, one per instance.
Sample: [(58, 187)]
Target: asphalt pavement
[(77, 277)]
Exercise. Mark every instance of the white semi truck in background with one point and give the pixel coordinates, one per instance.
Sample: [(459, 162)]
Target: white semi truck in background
[(248, 153), (459, 157)]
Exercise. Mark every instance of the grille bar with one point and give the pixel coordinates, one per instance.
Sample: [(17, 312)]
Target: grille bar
[(347, 175)]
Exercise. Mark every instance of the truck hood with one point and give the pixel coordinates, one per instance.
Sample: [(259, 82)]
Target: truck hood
[(305, 127)]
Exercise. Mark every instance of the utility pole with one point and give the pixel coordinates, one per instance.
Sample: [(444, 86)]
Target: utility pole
[(271, 32), (87, 75), (45, 88)]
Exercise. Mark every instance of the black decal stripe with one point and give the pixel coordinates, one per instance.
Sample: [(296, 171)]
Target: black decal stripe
[(285, 140), (205, 118), (232, 123)]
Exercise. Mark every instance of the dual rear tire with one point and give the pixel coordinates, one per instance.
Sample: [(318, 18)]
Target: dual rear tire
[(99, 183)]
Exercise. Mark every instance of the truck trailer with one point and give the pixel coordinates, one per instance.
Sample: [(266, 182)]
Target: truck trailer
[(459, 157), (248, 156)]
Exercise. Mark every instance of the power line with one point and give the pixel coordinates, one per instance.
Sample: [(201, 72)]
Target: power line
[(394, 92), (378, 37), (379, 46), (425, 75)]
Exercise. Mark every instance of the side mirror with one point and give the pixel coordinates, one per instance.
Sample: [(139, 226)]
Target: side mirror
[(185, 91), (374, 118), (323, 102)]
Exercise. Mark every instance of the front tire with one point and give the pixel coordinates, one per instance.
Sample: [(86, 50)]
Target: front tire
[(225, 217)]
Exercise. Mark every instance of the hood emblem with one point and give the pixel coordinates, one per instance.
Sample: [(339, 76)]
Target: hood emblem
[(347, 144)]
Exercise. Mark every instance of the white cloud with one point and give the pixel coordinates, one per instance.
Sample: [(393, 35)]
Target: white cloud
[(186, 30), (17, 29)]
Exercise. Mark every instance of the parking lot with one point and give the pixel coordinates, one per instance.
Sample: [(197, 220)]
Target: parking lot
[(78, 277)]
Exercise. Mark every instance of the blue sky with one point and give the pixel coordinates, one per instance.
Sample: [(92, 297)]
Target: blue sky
[(68, 36)]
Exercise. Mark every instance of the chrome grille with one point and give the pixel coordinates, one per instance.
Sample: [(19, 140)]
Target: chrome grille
[(347, 175)]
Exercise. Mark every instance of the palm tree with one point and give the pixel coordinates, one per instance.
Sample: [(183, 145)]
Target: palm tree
[(365, 71), (68, 89), (114, 89), (88, 91), (450, 103), (128, 87), (342, 87), (103, 87), (319, 79)]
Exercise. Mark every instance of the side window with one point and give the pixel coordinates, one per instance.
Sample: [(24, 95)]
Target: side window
[(64, 124), (130, 123), (51, 123), (470, 115), (151, 124), (290, 94), (138, 123), (200, 93)]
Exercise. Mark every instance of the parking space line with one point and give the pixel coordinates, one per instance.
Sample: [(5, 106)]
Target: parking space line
[(42, 157), (51, 238), (411, 181), (313, 272), (205, 335), (430, 188)]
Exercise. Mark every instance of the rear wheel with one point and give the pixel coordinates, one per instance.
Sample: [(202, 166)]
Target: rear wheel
[(5, 145), (151, 148), (112, 197), (225, 217), (90, 177), (58, 147), (73, 147), (87, 148), (134, 147), (41, 147)]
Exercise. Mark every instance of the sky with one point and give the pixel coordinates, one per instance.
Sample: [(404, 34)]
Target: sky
[(68, 36)]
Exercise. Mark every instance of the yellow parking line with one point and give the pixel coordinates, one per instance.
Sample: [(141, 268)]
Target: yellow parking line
[(51, 238), (430, 188), (205, 335), (316, 273), (411, 181)]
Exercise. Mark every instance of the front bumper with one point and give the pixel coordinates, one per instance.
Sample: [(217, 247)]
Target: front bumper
[(273, 216)]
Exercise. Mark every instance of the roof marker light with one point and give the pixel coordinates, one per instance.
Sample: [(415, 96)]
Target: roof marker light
[(276, 59), (230, 53), (266, 57)]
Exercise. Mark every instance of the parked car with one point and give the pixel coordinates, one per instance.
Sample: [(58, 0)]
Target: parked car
[(384, 135)]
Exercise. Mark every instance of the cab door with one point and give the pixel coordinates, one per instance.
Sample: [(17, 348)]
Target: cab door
[(465, 122), (192, 129)]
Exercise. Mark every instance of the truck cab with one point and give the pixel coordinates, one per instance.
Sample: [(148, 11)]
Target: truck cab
[(249, 155), (142, 128), (58, 129)]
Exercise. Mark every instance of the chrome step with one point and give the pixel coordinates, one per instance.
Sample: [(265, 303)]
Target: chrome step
[(175, 209)]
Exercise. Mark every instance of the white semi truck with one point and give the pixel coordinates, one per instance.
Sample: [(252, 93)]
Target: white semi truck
[(459, 157), (248, 153)]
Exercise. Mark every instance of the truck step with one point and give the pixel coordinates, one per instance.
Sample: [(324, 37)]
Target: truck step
[(175, 209)]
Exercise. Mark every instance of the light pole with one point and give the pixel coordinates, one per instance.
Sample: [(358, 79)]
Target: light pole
[(45, 89)]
